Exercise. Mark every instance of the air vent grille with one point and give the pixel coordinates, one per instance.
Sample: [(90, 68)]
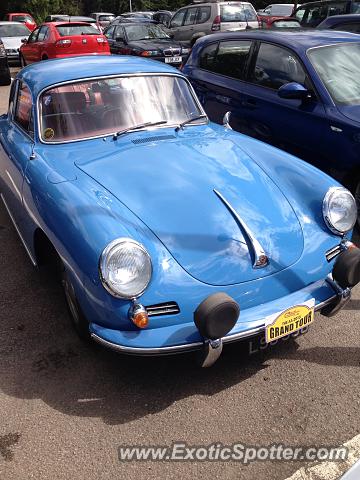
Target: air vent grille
[(138, 141), (168, 308)]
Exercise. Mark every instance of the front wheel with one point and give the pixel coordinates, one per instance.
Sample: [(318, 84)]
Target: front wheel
[(79, 321)]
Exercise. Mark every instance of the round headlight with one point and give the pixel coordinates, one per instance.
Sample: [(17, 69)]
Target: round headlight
[(339, 210), (125, 268)]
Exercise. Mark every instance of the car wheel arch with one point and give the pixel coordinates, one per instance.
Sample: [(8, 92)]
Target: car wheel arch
[(45, 252)]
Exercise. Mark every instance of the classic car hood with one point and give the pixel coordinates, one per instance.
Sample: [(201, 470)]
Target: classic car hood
[(169, 184), (154, 44), (350, 111), (12, 42)]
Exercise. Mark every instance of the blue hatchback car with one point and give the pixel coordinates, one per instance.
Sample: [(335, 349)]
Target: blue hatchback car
[(298, 90), (169, 233)]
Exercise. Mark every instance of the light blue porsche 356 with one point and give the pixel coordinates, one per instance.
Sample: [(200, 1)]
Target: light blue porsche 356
[(170, 233)]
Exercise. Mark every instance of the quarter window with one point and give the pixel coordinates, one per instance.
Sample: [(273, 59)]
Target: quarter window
[(276, 66), (42, 34), (23, 108), (203, 14)]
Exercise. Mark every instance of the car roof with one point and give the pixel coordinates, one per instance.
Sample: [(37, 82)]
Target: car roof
[(317, 3), (334, 19), (19, 13), (11, 23), (41, 75), (299, 39)]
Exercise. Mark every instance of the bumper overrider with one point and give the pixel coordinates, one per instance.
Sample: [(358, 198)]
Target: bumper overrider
[(217, 314)]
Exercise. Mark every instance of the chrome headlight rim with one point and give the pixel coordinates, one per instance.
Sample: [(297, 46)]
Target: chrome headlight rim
[(102, 267), (327, 211)]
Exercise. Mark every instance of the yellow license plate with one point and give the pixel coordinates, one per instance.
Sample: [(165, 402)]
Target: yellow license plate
[(287, 322)]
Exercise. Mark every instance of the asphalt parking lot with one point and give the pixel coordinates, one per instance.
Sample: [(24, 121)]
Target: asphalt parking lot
[(66, 407)]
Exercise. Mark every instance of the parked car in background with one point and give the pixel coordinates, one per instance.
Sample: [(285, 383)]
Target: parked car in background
[(298, 90), (169, 233), (12, 34), (25, 18), (103, 19), (120, 19), (344, 23), (197, 20), (142, 14), (145, 40), (73, 18), (63, 39), (279, 9), (5, 77), (313, 13), (279, 22), (163, 17)]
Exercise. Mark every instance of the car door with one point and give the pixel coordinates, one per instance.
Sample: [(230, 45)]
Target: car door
[(218, 77), (109, 34), (119, 45), (186, 31), (29, 50), (176, 24), (16, 148), (292, 124), (40, 44), (202, 24)]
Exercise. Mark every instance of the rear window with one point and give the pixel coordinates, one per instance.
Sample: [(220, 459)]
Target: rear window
[(69, 30), (286, 24), (14, 30), (284, 10), (106, 18), (22, 18), (237, 12)]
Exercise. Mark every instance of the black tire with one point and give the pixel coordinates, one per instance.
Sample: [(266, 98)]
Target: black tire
[(44, 57), (22, 61), (5, 79), (78, 319)]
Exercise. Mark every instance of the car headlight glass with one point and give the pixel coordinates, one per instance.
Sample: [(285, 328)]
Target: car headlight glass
[(125, 268), (339, 210)]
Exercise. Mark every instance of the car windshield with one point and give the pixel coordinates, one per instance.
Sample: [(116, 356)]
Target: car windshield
[(73, 29), (144, 32), (102, 107), (14, 30), (286, 24), (22, 18), (237, 12), (339, 68), (106, 18)]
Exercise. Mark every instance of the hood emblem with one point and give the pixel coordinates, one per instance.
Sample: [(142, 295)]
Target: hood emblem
[(260, 259)]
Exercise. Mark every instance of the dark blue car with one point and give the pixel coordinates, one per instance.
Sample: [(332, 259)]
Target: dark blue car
[(297, 90)]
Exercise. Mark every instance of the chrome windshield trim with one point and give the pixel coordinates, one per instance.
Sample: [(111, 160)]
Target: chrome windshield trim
[(188, 347), (102, 77), (260, 258)]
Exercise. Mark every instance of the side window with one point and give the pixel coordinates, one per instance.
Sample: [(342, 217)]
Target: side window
[(178, 18), (33, 36), (109, 33), (315, 15), (268, 10), (12, 98), (190, 16), (299, 14), (42, 34), (232, 58), (337, 9), (276, 66), (23, 108), (203, 14), (207, 59), (348, 27), (119, 32)]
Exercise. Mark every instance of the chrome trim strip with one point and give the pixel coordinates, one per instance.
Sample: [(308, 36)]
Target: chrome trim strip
[(260, 257), (189, 346), (115, 75), (33, 261)]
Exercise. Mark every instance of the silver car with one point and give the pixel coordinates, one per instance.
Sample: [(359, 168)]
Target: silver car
[(11, 33), (199, 19)]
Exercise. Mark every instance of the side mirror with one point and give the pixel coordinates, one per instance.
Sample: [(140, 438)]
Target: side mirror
[(226, 120), (24, 40), (293, 91)]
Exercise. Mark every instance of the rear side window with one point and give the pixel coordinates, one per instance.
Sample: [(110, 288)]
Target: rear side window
[(178, 19), (315, 15), (337, 9), (73, 29), (207, 59), (276, 66), (190, 16), (42, 34), (203, 14), (23, 107)]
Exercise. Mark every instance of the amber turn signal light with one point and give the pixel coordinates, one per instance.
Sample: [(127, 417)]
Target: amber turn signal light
[(139, 316)]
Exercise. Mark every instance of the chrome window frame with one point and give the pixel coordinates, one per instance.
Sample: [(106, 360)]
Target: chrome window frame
[(105, 77)]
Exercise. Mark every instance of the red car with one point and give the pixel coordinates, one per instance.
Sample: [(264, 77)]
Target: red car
[(63, 39), (278, 22), (23, 18)]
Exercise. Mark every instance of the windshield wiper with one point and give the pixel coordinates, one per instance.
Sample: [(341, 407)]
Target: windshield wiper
[(136, 127), (189, 120)]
